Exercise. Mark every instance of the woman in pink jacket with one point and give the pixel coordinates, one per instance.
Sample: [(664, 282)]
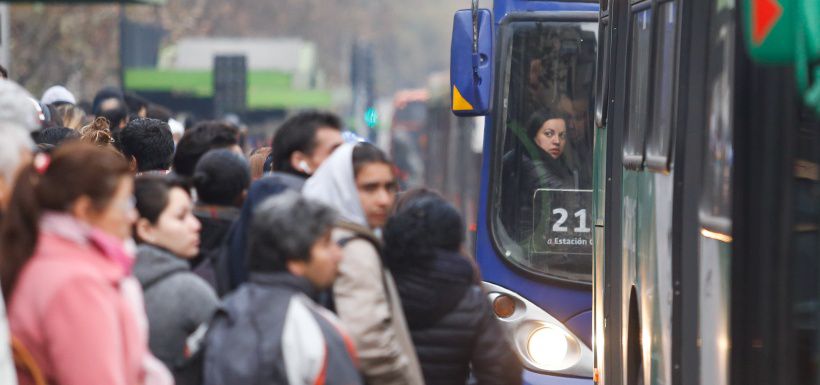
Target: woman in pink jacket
[(72, 302)]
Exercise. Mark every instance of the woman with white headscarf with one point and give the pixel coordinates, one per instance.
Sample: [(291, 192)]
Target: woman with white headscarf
[(358, 181)]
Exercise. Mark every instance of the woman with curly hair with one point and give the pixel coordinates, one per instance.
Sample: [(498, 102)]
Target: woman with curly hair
[(97, 133)]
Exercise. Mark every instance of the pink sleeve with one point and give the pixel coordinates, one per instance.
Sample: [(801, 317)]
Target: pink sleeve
[(85, 337)]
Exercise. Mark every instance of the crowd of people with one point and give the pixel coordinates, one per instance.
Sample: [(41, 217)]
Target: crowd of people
[(135, 251)]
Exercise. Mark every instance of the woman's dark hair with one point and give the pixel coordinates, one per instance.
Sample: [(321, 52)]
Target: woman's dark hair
[(201, 138), (365, 153), (220, 177), (412, 195), (156, 111), (151, 193), (134, 102), (75, 170), (419, 227), (539, 117), (54, 118)]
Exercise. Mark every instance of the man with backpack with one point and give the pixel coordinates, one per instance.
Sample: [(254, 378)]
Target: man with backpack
[(270, 330)]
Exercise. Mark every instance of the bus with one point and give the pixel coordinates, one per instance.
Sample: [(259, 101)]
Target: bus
[(707, 199), (433, 148), (408, 142), (528, 67)]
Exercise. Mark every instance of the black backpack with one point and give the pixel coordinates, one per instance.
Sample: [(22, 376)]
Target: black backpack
[(190, 371)]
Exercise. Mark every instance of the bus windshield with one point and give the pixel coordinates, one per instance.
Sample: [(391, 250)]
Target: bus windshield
[(542, 174)]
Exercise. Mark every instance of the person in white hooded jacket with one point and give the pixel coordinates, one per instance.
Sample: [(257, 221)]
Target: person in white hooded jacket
[(357, 180)]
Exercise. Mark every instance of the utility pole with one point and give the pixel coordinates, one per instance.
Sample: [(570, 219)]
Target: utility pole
[(5, 39), (123, 29)]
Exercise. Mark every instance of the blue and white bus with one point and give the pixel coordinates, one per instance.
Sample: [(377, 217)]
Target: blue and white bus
[(528, 67)]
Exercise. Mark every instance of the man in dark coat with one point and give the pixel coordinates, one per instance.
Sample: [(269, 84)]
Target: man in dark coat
[(271, 331), (300, 145)]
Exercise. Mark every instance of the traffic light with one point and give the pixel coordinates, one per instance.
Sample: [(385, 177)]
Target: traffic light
[(371, 117)]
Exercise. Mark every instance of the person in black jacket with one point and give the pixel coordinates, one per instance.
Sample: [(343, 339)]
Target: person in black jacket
[(450, 319), (221, 178)]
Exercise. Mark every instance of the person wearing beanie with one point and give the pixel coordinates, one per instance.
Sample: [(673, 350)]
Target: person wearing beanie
[(58, 95), (17, 108), (221, 179), (450, 320)]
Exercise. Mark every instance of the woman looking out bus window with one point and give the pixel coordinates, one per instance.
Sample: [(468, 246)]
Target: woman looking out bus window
[(539, 162), (548, 131), (72, 301)]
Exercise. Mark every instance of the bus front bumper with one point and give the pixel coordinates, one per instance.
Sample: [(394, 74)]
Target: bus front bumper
[(532, 378)]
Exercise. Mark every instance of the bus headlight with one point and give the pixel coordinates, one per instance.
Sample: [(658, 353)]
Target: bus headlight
[(542, 342), (548, 347)]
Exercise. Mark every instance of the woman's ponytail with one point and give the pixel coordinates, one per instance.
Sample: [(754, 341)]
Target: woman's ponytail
[(19, 229), (53, 184)]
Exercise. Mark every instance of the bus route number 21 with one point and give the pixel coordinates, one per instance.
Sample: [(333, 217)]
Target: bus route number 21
[(559, 227), (563, 221)]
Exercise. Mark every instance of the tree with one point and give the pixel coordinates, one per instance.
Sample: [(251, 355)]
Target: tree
[(78, 45)]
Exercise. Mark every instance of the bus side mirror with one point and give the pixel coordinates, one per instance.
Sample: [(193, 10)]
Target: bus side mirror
[(471, 62)]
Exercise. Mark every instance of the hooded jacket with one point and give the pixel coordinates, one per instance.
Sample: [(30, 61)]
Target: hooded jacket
[(364, 294), (231, 269), (216, 223), (177, 302)]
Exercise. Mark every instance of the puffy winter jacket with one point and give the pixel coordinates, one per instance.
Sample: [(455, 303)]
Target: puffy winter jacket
[(452, 325)]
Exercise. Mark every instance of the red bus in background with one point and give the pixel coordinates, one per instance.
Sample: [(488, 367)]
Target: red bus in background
[(407, 138), (431, 147)]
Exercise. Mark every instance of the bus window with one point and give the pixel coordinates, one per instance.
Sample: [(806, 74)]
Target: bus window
[(541, 203), (805, 266), (640, 39), (660, 135), (715, 214), (601, 83)]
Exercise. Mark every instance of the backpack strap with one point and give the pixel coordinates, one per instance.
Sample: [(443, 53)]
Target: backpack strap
[(25, 362), (360, 231), (363, 233)]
